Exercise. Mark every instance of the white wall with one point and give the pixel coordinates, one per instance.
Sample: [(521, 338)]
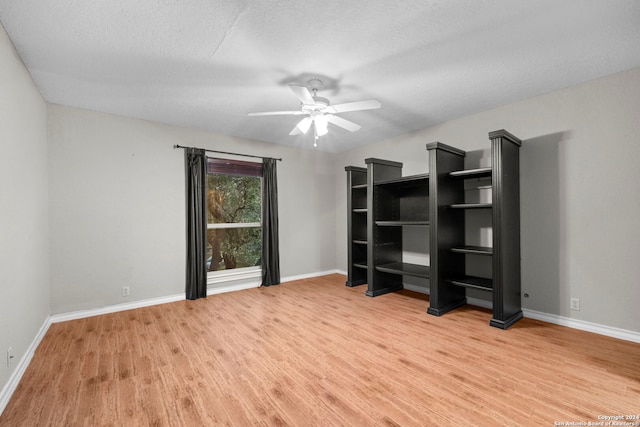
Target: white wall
[(117, 207), (580, 192), (24, 232)]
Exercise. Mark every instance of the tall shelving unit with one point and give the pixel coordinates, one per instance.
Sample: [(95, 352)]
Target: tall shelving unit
[(381, 202), (357, 225), (395, 202), (448, 210)]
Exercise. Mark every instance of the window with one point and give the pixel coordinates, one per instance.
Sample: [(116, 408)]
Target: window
[(234, 233)]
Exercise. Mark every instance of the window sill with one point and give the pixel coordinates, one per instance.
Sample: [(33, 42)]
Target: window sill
[(216, 277)]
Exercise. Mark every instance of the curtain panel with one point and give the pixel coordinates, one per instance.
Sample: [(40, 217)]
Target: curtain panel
[(196, 221), (270, 241)]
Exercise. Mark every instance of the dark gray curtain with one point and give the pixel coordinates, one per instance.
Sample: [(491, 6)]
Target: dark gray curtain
[(270, 244), (195, 163)]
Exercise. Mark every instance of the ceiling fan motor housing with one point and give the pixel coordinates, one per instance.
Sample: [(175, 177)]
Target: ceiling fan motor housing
[(320, 103)]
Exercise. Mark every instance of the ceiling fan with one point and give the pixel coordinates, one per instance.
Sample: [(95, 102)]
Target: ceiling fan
[(320, 112)]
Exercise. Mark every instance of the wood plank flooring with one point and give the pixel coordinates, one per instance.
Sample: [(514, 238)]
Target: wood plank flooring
[(315, 352)]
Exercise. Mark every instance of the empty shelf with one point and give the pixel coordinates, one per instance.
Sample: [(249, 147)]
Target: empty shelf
[(478, 250), (406, 181), (360, 242), (360, 210), (359, 186), (473, 282), (404, 268), (472, 173), (400, 223), (362, 264), (471, 206)]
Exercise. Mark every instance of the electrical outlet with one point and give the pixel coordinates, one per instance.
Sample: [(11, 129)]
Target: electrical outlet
[(125, 291), (9, 356), (575, 304)]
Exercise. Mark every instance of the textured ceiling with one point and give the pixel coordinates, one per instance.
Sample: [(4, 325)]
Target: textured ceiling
[(205, 64)]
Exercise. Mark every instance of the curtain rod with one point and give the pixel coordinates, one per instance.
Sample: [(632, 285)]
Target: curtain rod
[(226, 152)]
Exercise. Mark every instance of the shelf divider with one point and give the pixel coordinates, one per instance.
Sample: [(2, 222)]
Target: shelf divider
[(472, 173), (473, 282), (477, 250), (403, 268), (400, 223), (471, 206)]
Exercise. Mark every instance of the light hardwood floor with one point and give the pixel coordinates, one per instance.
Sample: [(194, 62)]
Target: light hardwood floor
[(314, 352)]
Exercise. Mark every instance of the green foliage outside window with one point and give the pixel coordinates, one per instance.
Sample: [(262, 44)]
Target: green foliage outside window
[(233, 199)]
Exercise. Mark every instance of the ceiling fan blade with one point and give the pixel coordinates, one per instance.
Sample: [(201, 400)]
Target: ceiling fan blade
[(302, 127), (303, 94), (277, 113), (368, 104), (345, 124)]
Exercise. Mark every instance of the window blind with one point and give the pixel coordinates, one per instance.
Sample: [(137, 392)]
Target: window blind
[(233, 167)]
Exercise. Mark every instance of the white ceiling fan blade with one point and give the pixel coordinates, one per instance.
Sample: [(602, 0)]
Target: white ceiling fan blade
[(302, 127), (277, 113), (303, 94), (368, 104), (345, 124)]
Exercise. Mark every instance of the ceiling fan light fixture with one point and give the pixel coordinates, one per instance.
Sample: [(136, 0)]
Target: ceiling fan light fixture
[(322, 125), (319, 111)]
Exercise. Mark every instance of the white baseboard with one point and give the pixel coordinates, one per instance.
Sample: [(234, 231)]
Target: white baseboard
[(81, 314), (16, 376), (610, 331), (308, 276)]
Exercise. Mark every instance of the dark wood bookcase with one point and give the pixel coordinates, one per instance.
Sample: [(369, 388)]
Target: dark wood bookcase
[(381, 202), (395, 202), (357, 225), (448, 210)]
